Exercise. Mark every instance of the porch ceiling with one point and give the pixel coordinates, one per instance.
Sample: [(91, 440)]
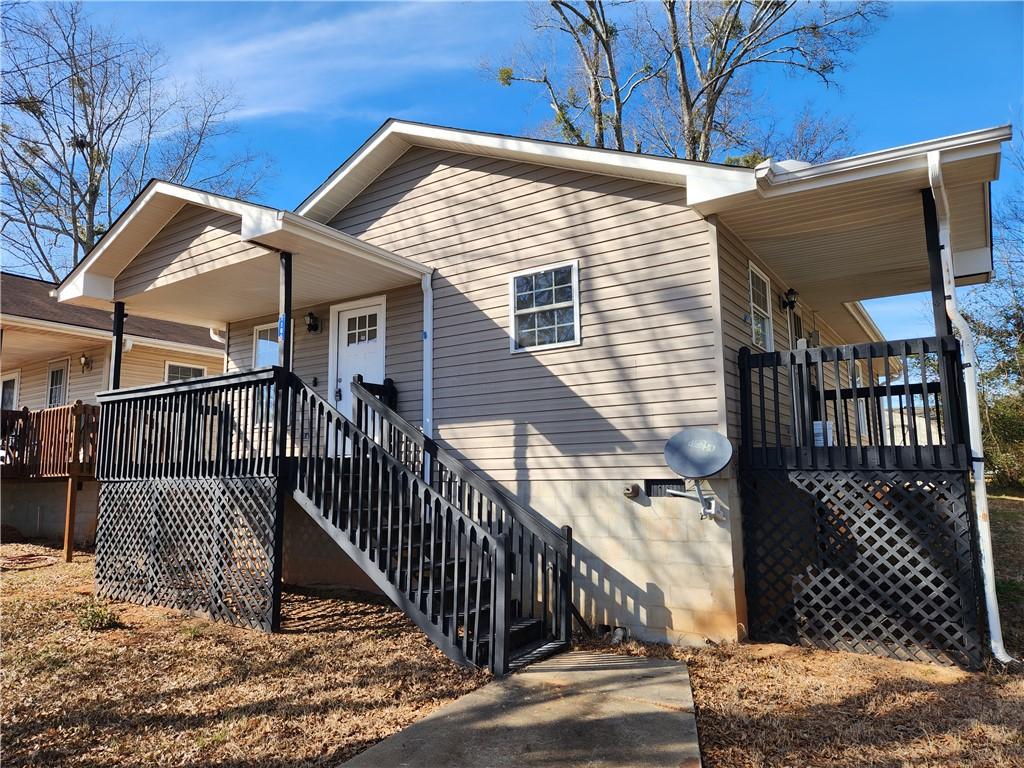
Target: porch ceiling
[(854, 229), (23, 345)]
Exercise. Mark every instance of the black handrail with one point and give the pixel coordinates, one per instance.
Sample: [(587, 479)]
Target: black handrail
[(532, 534), (362, 492)]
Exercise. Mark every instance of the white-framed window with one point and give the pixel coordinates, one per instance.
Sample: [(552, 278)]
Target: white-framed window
[(544, 307), (57, 383), (182, 371), (10, 384), (264, 344), (760, 309)]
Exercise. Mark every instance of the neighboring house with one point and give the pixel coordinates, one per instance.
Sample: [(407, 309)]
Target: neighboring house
[(54, 356), (536, 320)]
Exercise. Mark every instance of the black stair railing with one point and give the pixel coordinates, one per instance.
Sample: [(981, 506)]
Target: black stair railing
[(449, 573), (541, 553)]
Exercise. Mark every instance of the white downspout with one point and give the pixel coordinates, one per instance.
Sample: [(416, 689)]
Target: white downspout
[(988, 575), (426, 283)]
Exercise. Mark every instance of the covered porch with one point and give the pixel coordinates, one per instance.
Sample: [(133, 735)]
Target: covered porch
[(858, 459)]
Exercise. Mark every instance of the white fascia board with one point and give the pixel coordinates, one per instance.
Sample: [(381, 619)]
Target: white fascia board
[(99, 334), (864, 320), (284, 227), (711, 180), (85, 281), (174, 346), (772, 181)]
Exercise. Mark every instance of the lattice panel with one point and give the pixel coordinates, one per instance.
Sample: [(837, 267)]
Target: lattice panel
[(869, 561), (201, 545)]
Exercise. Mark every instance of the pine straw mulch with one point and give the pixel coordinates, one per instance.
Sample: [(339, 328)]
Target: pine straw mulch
[(163, 688)]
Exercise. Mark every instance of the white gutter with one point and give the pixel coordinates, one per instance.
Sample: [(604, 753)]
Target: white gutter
[(426, 283), (988, 576)]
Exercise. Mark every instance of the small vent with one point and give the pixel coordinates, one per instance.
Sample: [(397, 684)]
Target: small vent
[(656, 489)]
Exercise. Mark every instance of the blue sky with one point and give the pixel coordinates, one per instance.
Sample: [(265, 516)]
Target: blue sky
[(316, 79)]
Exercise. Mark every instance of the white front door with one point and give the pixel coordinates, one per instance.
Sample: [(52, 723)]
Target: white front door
[(358, 348)]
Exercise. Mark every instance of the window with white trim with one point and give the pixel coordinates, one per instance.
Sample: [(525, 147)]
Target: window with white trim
[(57, 384), (760, 309), (10, 391), (544, 309), (182, 372), (264, 344)]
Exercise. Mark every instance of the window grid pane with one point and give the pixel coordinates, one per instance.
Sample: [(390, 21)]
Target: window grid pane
[(544, 308)]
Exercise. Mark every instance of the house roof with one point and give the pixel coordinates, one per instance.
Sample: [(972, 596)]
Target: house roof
[(29, 298)]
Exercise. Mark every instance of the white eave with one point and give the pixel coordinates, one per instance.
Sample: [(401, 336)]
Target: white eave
[(321, 249), (701, 180)]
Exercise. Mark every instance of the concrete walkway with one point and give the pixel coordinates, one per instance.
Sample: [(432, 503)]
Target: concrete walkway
[(577, 709)]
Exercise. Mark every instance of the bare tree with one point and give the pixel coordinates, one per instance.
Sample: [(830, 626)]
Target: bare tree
[(88, 118), (599, 48), (691, 65)]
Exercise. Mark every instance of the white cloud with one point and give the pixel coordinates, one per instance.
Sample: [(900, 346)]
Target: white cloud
[(333, 61)]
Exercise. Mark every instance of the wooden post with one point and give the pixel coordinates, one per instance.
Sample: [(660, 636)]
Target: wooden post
[(69, 517), (73, 464), (118, 332)]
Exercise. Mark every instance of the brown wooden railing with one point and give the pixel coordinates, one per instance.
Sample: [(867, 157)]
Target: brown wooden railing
[(49, 443), (879, 404), (541, 554)]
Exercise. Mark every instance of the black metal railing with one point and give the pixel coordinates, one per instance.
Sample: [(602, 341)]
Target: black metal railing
[(541, 553), (449, 573), (878, 404), (216, 426)]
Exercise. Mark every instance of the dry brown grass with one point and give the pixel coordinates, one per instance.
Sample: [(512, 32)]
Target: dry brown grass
[(161, 688), (776, 705)]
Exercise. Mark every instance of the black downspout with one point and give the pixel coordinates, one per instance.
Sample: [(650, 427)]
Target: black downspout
[(118, 332)]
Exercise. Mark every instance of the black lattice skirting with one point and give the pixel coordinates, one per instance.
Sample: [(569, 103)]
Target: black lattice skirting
[(873, 561), (201, 545)]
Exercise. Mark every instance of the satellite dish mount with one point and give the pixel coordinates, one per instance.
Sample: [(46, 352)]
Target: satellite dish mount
[(694, 454)]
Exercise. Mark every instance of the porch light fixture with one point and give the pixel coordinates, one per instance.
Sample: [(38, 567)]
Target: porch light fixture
[(312, 323), (788, 299), (86, 362)]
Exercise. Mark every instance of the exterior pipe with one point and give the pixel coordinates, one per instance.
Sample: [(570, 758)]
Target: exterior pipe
[(426, 283), (988, 577)]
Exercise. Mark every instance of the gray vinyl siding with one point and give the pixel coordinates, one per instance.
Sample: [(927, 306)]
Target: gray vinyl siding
[(194, 241), (649, 362), (403, 348)]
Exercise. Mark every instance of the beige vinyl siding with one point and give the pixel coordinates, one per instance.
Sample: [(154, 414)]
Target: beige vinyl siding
[(734, 260), (147, 365), (403, 347), (647, 365), (194, 241), (32, 388), (142, 365)]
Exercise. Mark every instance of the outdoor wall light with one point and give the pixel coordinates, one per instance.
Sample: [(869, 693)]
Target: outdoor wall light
[(86, 362), (788, 299), (312, 323)]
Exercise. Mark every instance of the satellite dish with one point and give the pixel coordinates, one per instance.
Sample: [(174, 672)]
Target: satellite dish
[(698, 452), (695, 453)]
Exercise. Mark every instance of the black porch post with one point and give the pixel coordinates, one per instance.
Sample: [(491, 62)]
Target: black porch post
[(931, 238), (118, 332), (284, 318)]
